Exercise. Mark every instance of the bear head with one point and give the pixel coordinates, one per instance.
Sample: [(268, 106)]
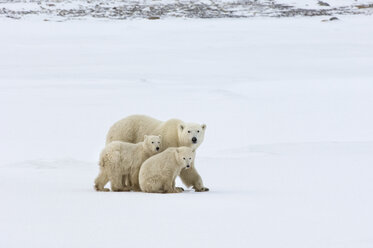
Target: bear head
[(191, 134), (152, 143), (184, 156)]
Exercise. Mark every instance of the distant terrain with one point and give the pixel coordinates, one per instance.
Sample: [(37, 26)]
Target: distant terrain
[(81, 9)]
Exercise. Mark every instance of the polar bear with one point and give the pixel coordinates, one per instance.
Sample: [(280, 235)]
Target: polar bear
[(120, 163), (175, 133), (158, 173)]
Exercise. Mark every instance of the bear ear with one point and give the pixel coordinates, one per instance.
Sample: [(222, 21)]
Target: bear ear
[(203, 126), (181, 127), (145, 136), (160, 136), (194, 150), (177, 150)]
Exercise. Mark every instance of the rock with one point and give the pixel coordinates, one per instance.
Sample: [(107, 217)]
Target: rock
[(321, 3), (331, 19)]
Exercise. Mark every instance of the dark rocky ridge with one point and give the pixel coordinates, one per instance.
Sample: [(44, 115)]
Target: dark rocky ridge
[(81, 9)]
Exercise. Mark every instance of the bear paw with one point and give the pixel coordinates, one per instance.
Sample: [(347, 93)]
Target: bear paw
[(101, 189), (202, 189), (120, 189), (179, 189)]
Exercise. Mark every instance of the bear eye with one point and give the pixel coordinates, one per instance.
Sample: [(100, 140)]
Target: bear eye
[(188, 131), (190, 158), (159, 142), (152, 142), (198, 131), (184, 158)]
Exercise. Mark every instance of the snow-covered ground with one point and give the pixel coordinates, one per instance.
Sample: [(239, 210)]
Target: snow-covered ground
[(317, 4), (288, 153)]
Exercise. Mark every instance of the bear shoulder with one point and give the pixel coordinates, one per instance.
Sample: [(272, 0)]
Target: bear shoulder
[(169, 132), (165, 157)]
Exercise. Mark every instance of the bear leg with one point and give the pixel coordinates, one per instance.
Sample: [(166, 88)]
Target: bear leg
[(117, 184), (170, 188), (100, 182), (190, 177), (178, 189)]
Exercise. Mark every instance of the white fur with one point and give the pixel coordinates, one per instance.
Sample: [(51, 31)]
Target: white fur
[(120, 163), (158, 173), (175, 133)]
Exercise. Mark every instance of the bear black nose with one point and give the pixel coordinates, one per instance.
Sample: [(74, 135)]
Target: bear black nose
[(188, 166), (194, 139), (157, 148)]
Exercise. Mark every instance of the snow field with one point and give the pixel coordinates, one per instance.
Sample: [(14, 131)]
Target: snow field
[(288, 148)]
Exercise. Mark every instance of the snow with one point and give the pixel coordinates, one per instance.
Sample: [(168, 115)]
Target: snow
[(18, 6), (288, 151), (315, 3)]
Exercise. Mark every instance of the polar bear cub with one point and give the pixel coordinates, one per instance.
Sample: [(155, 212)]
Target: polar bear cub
[(120, 163), (158, 173)]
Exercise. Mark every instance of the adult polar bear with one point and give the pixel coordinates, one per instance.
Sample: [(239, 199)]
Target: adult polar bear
[(174, 133)]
